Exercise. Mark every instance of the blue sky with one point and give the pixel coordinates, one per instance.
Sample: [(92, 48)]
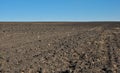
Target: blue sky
[(59, 10)]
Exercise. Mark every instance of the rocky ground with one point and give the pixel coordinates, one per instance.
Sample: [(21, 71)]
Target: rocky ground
[(60, 47)]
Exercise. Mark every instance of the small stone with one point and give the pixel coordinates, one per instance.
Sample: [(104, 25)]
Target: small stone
[(48, 44)]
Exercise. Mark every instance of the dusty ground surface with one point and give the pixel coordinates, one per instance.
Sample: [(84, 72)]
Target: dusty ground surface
[(60, 47)]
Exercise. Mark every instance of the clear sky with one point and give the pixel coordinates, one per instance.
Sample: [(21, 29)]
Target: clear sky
[(59, 10)]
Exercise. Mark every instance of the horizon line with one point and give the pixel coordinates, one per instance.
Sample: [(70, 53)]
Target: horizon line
[(52, 21)]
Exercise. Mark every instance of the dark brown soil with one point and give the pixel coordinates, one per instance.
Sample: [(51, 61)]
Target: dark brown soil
[(60, 47)]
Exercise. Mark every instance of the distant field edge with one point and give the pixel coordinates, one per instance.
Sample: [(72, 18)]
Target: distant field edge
[(60, 22)]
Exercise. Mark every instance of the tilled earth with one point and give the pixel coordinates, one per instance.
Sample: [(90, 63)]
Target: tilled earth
[(60, 47)]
